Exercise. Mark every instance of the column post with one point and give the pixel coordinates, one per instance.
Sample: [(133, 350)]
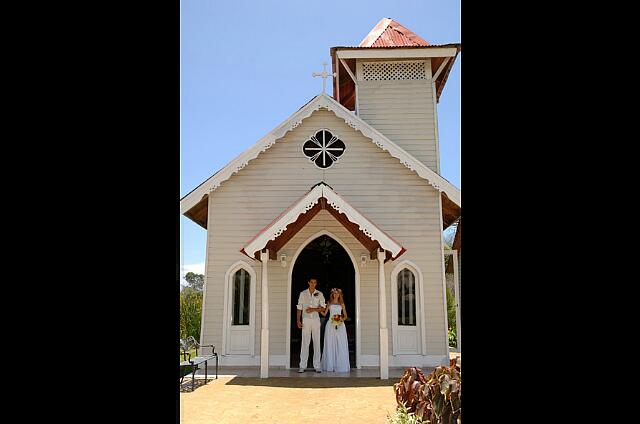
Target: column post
[(382, 306), (264, 333)]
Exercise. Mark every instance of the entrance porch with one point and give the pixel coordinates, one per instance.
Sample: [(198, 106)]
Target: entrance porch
[(380, 248), (277, 372)]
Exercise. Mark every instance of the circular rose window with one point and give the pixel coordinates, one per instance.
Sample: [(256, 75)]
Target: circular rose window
[(323, 148)]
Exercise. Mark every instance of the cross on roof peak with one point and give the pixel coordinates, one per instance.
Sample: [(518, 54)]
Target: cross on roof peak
[(324, 76)]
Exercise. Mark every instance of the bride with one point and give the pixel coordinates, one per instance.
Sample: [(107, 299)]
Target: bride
[(335, 354)]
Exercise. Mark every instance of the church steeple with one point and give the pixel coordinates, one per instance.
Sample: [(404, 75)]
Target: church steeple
[(393, 80)]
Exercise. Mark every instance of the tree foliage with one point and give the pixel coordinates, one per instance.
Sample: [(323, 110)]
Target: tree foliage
[(451, 317), (194, 281), (190, 313)]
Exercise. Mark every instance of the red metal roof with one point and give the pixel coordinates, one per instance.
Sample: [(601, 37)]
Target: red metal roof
[(389, 33)]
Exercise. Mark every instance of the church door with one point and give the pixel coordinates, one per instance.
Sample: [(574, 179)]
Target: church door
[(325, 260)]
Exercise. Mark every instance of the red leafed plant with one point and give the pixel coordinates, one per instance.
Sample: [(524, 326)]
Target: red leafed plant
[(408, 389), (433, 399)]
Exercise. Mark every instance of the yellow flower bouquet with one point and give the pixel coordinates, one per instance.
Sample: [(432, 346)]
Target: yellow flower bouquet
[(336, 320)]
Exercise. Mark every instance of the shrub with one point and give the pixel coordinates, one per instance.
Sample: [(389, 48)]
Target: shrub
[(434, 399), (402, 416), (408, 389), (451, 318), (190, 313), (443, 396), (453, 338)]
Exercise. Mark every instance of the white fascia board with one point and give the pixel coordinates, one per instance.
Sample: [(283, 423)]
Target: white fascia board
[(191, 199), (381, 53), (213, 182), (368, 228), (320, 101), (280, 226)]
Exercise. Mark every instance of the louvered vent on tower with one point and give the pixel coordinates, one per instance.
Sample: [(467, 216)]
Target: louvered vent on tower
[(393, 71)]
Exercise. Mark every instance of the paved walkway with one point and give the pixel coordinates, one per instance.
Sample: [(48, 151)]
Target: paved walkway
[(288, 400), (239, 395)]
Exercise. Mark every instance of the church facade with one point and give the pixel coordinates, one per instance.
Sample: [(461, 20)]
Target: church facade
[(347, 190)]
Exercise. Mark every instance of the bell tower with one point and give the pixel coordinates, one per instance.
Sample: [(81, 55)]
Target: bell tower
[(393, 80)]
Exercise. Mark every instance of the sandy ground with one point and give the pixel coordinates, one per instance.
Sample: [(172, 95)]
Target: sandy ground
[(289, 400)]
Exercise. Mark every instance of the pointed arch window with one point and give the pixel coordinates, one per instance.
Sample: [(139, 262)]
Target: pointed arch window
[(241, 297), (406, 286)]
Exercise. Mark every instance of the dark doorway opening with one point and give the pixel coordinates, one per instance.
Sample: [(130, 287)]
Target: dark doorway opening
[(325, 260)]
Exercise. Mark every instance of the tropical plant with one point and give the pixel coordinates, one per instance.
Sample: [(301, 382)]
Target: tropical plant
[(408, 389), (190, 313), (443, 396), (451, 318), (453, 338), (403, 416), (434, 399)]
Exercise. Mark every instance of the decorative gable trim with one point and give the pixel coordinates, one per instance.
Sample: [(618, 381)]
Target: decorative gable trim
[(302, 206), (321, 101)]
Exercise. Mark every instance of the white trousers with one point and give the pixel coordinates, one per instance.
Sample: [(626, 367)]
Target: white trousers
[(311, 329)]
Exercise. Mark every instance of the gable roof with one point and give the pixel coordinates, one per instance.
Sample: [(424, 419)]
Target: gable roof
[(389, 33), (196, 196), (321, 196)]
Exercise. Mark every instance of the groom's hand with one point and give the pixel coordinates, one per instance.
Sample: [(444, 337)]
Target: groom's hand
[(299, 325)]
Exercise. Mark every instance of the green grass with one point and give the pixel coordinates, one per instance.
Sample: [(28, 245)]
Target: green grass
[(192, 352)]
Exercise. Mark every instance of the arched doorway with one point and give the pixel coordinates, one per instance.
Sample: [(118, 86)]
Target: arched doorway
[(326, 260)]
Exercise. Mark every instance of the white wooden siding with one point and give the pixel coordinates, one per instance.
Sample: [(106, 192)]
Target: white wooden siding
[(404, 112), (371, 180)]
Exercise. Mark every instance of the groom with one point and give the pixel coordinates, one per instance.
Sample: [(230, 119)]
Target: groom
[(310, 301)]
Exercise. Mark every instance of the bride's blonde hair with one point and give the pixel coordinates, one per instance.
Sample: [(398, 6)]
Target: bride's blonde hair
[(340, 297)]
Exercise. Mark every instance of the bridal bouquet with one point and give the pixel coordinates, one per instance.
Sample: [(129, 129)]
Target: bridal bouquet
[(336, 320)]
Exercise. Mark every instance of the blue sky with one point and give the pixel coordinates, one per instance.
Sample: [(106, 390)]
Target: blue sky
[(245, 66)]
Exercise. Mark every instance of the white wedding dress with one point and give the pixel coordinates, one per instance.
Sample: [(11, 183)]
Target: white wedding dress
[(335, 353)]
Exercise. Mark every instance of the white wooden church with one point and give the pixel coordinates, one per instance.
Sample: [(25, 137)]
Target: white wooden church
[(347, 190)]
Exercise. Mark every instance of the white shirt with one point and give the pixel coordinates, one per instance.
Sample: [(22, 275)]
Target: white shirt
[(308, 300)]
